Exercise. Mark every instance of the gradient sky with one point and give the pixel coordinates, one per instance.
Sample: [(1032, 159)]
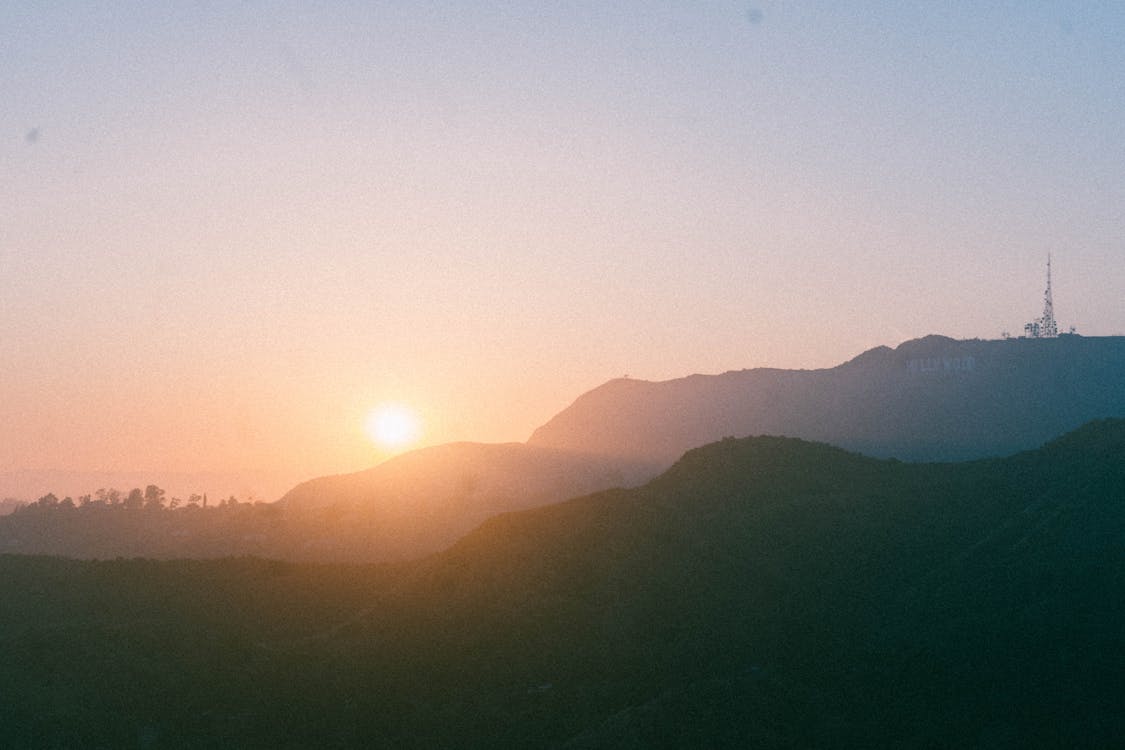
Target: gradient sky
[(230, 229)]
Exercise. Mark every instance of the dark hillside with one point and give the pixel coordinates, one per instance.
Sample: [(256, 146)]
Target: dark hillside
[(764, 592)]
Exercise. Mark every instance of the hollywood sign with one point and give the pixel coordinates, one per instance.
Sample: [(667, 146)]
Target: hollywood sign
[(941, 364)]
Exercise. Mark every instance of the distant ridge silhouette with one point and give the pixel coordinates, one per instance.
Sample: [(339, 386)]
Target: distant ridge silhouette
[(422, 501), (929, 399)]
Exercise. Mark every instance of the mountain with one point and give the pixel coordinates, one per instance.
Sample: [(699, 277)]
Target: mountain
[(424, 500), (763, 592), (930, 399)]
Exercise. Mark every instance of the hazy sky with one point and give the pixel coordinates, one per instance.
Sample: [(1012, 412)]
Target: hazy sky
[(230, 229)]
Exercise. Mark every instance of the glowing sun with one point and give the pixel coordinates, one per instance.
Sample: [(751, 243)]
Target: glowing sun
[(393, 426)]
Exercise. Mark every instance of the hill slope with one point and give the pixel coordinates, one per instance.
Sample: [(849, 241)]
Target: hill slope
[(930, 399), (763, 592), (422, 501)]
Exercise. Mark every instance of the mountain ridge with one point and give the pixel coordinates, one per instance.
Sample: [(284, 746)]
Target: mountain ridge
[(932, 398), (928, 399)]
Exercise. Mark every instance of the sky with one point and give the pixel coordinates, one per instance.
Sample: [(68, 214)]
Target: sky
[(230, 230)]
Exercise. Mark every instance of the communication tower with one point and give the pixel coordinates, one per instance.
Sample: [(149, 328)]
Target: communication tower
[(1044, 327)]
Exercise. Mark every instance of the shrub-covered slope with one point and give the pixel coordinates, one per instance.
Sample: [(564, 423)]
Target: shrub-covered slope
[(762, 592)]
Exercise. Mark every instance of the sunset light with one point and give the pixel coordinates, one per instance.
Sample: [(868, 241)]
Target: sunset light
[(393, 427), (538, 374)]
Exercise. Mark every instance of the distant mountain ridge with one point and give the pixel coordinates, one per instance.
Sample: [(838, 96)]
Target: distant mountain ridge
[(929, 399), (424, 500)]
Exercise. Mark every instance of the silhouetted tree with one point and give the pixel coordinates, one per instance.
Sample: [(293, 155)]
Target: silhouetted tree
[(50, 500), (154, 497), (67, 502), (135, 499)]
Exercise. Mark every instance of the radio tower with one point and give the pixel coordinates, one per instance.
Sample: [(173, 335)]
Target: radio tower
[(1045, 327)]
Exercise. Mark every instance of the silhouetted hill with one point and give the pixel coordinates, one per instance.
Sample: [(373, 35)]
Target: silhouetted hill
[(930, 399), (422, 501), (764, 592), (510, 475)]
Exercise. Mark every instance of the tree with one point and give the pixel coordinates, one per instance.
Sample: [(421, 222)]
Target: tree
[(50, 500), (154, 497), (135, 499)]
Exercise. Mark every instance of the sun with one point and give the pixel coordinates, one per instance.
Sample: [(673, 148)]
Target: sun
[(393, 426)]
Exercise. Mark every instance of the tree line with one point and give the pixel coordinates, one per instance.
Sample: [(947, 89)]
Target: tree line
[(151, 498)]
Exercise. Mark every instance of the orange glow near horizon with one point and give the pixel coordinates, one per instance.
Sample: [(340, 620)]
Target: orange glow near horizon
[(483, 214), (393, 426)]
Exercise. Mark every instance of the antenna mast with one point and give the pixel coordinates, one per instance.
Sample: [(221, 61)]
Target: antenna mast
[(1044, 327), (1048, 327)]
